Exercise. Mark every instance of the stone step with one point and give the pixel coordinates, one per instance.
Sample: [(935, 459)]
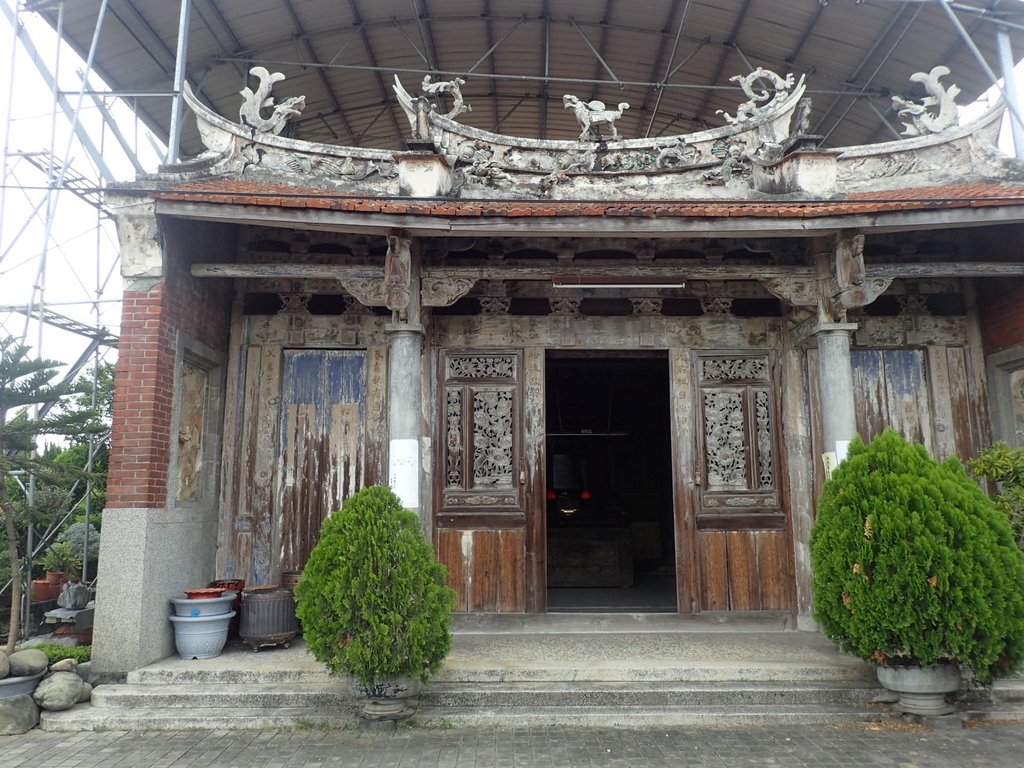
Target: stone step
[(646, 717), (648, 694), (249, 696), (461, 671), (84, 717), (635, 670), (200, 675), (531, 694)]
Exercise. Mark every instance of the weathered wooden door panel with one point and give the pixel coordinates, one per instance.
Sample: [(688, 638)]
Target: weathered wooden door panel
[(744, 571), (742, 534), (323, 393), (924, 394), (480, 482), (891, 387), (485, 568), (254, 517)]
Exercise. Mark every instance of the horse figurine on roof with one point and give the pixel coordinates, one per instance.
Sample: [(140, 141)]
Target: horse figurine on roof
[(592, 115)]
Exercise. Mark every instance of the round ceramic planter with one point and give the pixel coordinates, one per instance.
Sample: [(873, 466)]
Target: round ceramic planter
[(922, 690), (15, 686), (201, 637), (390, 699), (210, 606)]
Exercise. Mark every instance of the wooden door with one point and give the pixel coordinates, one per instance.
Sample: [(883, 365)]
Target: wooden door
[(742, 533), (321, 463), (480, 479)]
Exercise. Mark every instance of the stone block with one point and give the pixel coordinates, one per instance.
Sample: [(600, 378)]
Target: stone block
[(31, 661), (18, 714)]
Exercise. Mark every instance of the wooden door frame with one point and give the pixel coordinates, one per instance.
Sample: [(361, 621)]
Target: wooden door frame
[(682, 505), (684, 474)]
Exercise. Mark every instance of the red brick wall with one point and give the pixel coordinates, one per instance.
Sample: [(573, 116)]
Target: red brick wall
[(1001, 313), (144, 393)]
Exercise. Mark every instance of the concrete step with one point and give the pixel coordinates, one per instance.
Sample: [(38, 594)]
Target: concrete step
[(84, 717), (199, 675), (649, 694), (498, 675), (649, 717), (634, 670), (246, 696)]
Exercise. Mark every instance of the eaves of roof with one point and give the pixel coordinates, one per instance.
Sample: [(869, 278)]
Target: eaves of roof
[(249, 193)]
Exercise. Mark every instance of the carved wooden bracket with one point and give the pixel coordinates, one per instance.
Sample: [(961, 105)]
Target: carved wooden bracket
[(368, 291), (850, 260), (398, 275), (864, 294), (445, 291), (797, 291)]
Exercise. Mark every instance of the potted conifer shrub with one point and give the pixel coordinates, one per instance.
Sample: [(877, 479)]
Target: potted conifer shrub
[(917, 572), (373, 601)]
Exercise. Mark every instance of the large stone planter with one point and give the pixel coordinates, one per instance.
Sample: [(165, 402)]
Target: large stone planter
[(922, 690), (390, 699)]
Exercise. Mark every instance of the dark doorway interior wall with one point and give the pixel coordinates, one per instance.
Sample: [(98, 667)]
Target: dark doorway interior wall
[(610, 528)]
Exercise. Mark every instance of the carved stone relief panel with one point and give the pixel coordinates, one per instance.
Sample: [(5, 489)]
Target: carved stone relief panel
[(738, 434)]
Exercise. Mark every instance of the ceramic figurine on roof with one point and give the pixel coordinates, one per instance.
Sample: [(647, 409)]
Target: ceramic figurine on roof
[(253, 104), (762, 100), (451, 87), (923, 122), (762, 150), (592, 115)]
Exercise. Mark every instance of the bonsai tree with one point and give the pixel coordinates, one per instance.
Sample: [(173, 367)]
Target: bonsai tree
[(914, 565), (373, 600)]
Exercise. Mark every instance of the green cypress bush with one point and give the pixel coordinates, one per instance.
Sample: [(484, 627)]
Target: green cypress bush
[(913, 563), (373, 600)]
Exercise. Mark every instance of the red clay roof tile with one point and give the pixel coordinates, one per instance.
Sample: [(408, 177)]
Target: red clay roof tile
[(241, 192)]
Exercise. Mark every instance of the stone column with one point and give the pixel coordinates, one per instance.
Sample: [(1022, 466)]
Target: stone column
[(405, 404), (402, 295), (835, 374)]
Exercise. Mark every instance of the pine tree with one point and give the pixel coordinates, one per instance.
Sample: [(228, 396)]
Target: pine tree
[(26, 385)]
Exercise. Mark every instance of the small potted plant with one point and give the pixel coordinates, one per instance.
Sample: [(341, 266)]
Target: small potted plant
[(373, 601), (917, 572), (61, 558)]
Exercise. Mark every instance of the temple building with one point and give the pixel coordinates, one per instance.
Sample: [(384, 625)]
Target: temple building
[(609, 373)]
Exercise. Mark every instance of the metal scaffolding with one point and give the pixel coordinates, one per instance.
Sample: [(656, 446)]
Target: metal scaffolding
[(57, 241)]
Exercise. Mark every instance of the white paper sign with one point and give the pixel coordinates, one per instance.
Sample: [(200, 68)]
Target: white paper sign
[(404, 471)]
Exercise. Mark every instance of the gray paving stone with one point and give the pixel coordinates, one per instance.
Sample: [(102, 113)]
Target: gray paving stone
[(884, 745)]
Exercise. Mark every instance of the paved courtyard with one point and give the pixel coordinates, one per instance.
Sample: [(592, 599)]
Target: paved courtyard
[(890, 745)]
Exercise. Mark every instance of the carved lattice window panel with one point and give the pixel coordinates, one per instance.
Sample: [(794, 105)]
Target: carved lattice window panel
[(737, 436), (481, 405)]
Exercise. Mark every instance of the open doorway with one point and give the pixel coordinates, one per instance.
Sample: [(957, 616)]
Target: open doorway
[(609, 516)]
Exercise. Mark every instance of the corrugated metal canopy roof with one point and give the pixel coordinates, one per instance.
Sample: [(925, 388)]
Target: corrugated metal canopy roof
[(671, 60)]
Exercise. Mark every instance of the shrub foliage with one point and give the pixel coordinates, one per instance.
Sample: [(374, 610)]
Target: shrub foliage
[(1005, 465), (913, 564), (373, 600), (55, 652)]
